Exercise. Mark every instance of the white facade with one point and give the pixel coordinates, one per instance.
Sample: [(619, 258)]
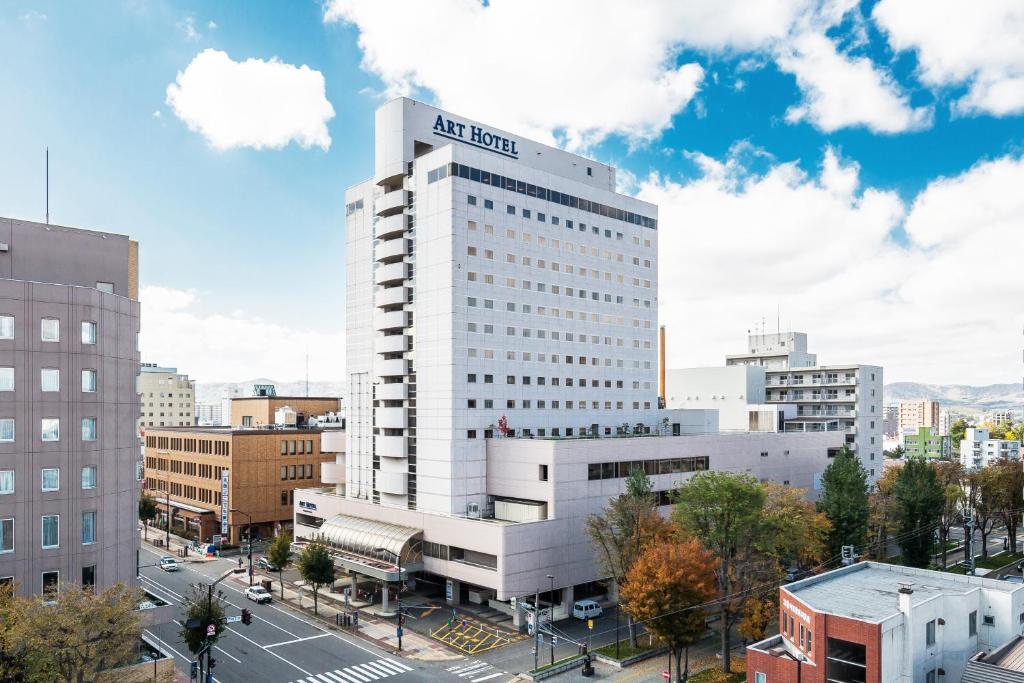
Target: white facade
[(168, 397), (916, 414), (977, 450), (208, 414), (730, 390), (775, 351)]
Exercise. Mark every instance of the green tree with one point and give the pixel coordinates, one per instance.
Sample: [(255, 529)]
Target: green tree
[(844, 500), (620, 532), (665, 588), (950, 474), (919, 498), (896, 453), (1008, 491), (206, 610), (983, 498), (279, 552), (956, 434), (723, 510), (317, 568), (882, 515), (148, 511)]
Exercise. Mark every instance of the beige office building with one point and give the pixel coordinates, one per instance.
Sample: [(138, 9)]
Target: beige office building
[(167, 397), (917, 414)]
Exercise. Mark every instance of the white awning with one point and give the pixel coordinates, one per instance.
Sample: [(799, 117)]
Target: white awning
[(371, 547)]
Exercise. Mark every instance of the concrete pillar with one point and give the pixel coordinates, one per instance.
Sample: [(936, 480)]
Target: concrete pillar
[(355, 587), (613, 592), (455, 587), (519, 616), (568, 599), (384, 599)]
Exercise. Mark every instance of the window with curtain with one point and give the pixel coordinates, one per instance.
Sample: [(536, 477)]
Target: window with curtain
[(6, 327), (6, 379), (88, 332), (49, 379), (51, 531), (6, 481), (89, 527), (51, 479), (89, 477), (88, 381), (50, 330), (88, 429), (51, 429), (6, 429), (6, 535)]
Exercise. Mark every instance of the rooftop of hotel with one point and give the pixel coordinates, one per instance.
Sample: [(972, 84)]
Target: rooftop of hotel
[(869, 591)]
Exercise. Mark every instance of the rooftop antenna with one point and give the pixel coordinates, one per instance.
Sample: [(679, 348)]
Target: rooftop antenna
[(47, 185)]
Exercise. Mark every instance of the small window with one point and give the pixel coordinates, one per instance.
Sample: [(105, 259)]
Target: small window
[(7, 535), (760, 677), (989, 620), (51, 479), (88, 381), (471, 199), (50, 330), (88, 527), (88, 429), (89, 477), (89, 576), (49, 379), (543, 472), (6, 429), (929, 634), (50, 581), (88, 332), (50, 427), (6, 482), (107, 287), (51, 532), (6, 327), (972, 624), (6, 379)]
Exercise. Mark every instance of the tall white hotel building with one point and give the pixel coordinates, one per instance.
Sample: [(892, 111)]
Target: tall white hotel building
[(494, 282)]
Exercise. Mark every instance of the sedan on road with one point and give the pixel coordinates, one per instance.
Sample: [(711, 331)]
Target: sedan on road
[(258, 594), (266, 565), (168, 564)]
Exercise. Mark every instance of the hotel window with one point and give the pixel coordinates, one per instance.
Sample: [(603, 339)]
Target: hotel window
[(50, 330), (49, 379), (6, 379), (88, 429), (972, 624), (89, 477), (6, 327), (7, 429), (6, 482), (929, 633), (50, 428), (88, 381), (488, 204), (88, 332), (309, 471), (88, 527), (51, 479), (51, 531), (471, 199), (510, 209), (88, 576), (7, 535), (284, 471)]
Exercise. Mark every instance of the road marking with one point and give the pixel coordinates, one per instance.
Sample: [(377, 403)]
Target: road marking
[(389, 667), (376, 667), (477, 668), (298, 640), (364, 670), (227, 654), (401, 666), (336, 678), (487, 678), (286, 661)]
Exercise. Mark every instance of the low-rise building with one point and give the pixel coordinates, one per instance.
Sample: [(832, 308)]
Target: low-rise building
[(261, 410), (881, 623), (1003, 665), (924, 442), (167, 397), (977, 450)]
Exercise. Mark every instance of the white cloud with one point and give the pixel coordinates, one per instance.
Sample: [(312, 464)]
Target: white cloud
[(211, 24), (231, 347), (188, 27), (254, 103), (842, 91), (977, 44), (820, 248)]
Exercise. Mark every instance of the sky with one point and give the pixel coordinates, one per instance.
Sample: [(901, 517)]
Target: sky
[(853, 170)]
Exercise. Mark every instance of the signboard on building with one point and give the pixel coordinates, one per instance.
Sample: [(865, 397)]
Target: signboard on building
[(449, 590), (224, 503)]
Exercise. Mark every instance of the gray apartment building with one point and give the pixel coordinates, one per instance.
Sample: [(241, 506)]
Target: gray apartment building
[(69, 452)]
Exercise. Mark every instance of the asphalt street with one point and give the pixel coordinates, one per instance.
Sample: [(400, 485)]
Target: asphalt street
[(279, 646)]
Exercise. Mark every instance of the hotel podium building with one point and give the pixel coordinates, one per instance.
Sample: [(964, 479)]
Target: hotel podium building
[(501, 304)]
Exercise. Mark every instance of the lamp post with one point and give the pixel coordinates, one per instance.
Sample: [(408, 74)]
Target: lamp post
[(248, 517), (401, 618), (209, 610), (167, 504), (551, 615)]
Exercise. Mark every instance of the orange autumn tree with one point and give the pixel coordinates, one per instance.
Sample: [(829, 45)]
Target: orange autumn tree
[(663, 589)]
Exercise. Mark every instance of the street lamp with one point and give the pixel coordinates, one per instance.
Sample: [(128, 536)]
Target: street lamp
[(209, 610), (249, 518), (551, 615), (398, 562)]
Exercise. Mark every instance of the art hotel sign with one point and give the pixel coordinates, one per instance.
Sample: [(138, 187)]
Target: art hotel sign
[(476, 136)]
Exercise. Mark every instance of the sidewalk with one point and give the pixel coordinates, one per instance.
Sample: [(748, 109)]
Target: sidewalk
[(177, 543)]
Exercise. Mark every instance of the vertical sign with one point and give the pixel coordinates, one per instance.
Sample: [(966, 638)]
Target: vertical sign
[(224, 506)]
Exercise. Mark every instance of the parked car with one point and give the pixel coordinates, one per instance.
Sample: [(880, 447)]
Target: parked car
[(266, 565), (258, 594), (168, 564), (586, 609)]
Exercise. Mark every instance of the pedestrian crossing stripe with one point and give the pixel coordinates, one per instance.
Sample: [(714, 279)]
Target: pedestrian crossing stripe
[(475, 672), (359, 673)]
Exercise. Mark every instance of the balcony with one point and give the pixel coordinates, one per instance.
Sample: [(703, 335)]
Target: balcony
[(394, 343), (332, 441), (391, 447), (391, 482), (390, 320), (391, 418), (391, 202), (390, 226), (396, 367), (396, 391), (391, 296), (391, 273), (391, 250), (332, 473)]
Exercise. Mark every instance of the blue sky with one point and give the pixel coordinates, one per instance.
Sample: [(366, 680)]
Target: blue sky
[(848, 164)]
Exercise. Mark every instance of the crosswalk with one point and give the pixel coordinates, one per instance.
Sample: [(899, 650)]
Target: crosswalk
[(476, 671), (359, 673)]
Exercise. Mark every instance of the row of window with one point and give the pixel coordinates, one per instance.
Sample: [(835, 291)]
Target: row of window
[(544, 287), (806, 638), (50, 531), (297, 447), (200, 494), (530, 432), (557, 266), (554, 312), (488, 354), (542, 404), (621, 469), (49, 380), (471, 378), (557, 244), (50, 479), (528, 333), (542, 193), (296, 472), (49, 429), (49, 329), (512, 307), (189, 445)]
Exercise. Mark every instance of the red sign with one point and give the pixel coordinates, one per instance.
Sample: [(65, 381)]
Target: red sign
[(664, 674), (211, 630)]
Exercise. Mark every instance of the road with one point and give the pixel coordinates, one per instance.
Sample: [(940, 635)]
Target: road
[(280, 645)]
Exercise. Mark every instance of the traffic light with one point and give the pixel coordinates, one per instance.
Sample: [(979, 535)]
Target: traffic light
[(246, 617), (210, 664), (194, 671)]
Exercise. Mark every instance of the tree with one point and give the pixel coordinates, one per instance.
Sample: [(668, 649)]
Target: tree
[(881, 514), (148, 511), (761, 611), (793, 532), (621, 531), (844, 500), (950, 474), (665, 589), (279, 552), (896, 453), (15, 664), (983, 498), (1008, 492), (956, 433), (317, 568), (199, 605), (723, 510), (919, 498)]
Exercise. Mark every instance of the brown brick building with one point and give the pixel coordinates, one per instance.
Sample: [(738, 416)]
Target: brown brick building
[(264, 466)]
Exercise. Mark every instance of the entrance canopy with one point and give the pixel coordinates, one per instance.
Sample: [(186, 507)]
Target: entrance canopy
[(373, 548)]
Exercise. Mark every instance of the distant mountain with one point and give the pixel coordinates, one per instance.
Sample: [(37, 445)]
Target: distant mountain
[(211, 392), (990, 397)]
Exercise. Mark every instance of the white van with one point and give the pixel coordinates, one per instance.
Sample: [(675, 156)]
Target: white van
[(586, 609)]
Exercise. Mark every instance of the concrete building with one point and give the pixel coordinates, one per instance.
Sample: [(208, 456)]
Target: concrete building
[(185, 469), (946, 420), (502, 304), (167, 397), (924, 442), (736, 392), (845, 398), (209, 414), (916, 414), (891, 422), (258, 411), (1001, 416), (881, 623), (1005, 664), (977, 450), (69, 458)]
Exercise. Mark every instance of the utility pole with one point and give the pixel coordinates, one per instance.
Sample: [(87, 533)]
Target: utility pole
[(536, 630), (969, 545), (551, 616)]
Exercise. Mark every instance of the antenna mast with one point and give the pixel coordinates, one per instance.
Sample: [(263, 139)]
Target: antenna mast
[(47, 185)]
